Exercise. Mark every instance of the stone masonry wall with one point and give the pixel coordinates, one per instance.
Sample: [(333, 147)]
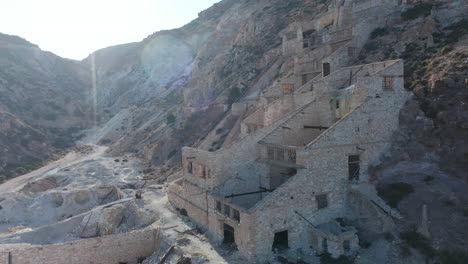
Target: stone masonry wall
[(111, 249), (365, 131)]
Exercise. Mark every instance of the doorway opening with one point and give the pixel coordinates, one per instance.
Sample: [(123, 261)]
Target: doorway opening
[(228, 234), (280, 241), (325, 69)]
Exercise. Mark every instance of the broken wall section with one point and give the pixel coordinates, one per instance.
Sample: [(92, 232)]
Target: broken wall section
[(120, 248)]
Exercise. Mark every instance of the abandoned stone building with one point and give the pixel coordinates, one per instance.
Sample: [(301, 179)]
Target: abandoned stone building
[(286, 184), (300, 163), (317, 48)]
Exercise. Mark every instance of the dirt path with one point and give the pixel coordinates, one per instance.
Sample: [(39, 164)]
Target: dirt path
[(70, 158)]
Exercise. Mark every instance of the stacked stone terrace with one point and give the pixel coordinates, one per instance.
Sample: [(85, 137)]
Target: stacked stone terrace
[(282, 184), (318, 47), (301, 160)]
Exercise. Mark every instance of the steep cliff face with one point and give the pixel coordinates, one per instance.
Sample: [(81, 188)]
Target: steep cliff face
[(429, 152), (42, 102)]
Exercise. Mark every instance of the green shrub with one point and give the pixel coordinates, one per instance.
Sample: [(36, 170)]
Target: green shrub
[(453, 257), (20, 170), (171, 154), (379, 32), (449, 203), (421, 9), (105, 141), (370, 47), (458, 30), (78, 113), (183, 212), (395, 192), (234, 95), (405, 250), (283, 260), (51, 117), (327, 259), (445, 50), (428, 179), (410, 50), (219, 131), (418, 242), (170, 119)]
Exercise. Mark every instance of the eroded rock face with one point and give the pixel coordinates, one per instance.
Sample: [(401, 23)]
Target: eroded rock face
[(114, 219), (54, 205)]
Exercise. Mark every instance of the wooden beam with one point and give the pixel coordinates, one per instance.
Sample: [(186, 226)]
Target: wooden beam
[(249, 193), (316, 127)]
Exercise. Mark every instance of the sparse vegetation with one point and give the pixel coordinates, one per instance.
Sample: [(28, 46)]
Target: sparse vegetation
[(449, 203), (395, 192), (453, 257), (29, 166), (51, 117), (445, 50), (327, 259), (370, 47), (379, 32), (458, 30), (234, 95), (419, 10), (418, 242), (170, 119), (183, 212), (428, 179), (283, 260), (171, 154), (405, 250), (105, 141), (219, 131), (388, 236)]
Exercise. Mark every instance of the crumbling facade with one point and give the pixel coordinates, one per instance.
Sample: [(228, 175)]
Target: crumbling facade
[(302, 157), (317, 48), (295, 175)]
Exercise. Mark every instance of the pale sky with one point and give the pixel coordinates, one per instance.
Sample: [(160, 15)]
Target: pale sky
[(75, 28)]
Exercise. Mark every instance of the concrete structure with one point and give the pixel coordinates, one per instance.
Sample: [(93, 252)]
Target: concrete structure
[(283, 185)]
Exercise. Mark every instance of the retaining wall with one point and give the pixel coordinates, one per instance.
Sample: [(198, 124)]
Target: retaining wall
[(112, 249)]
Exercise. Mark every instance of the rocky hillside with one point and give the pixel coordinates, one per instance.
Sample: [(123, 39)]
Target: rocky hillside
[(427, 162), (43, 102), (154, 93)]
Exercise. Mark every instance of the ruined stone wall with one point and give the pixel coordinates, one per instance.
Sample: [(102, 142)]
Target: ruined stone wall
[(221, 165), (278, 109), (126, 247), (335, 243), (365, 131), (279, 210), (293, 133), (192, 198), (244, 230)]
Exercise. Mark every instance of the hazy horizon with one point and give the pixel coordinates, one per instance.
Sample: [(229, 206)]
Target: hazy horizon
[(76, 29)]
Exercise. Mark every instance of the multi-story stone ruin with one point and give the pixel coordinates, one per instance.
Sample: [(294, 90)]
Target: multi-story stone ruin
[(300, 163)]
